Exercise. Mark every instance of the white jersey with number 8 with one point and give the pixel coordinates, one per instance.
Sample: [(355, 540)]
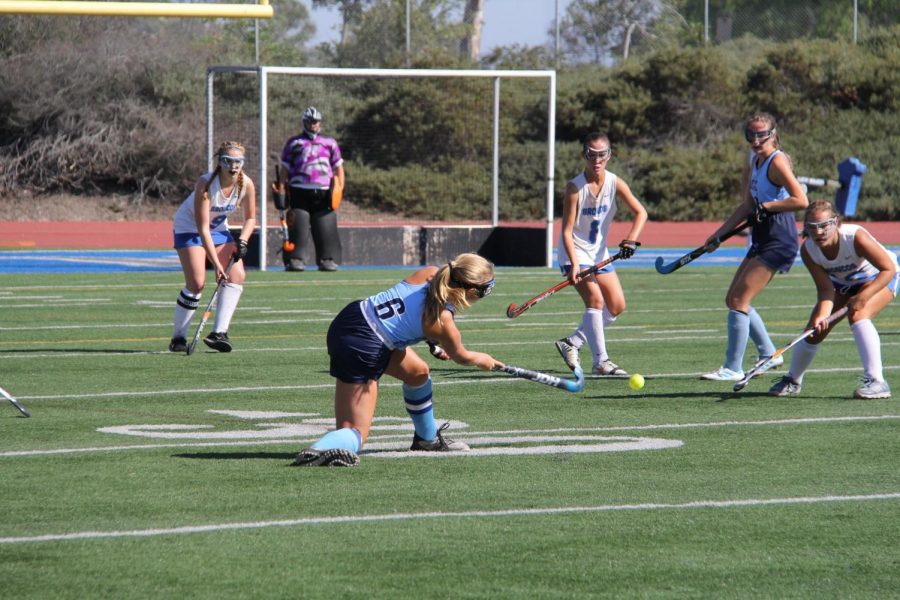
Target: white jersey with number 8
[(592, 221)]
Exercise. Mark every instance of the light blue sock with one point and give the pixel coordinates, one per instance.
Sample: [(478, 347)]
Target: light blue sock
[(420, 409), (347, 438), (738, 334), (759, 335)]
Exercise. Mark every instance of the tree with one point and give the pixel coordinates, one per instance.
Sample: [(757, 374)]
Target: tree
[(597, 31), (351, 13), (376, 35), (473, 18)]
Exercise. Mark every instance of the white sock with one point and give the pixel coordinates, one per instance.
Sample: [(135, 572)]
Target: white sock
[(868, 343), (801, 357), (226, 305), (592, 325), (608, 317), (185, 307), (577, 339)]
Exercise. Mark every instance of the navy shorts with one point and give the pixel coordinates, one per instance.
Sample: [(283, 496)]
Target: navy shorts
[(775, 255), (357, 354), (774, 242)]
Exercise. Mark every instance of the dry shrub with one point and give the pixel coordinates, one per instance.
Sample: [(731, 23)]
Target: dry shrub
[(116, 111)]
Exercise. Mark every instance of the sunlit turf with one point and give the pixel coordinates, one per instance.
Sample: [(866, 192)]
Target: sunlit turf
[(755, 497)]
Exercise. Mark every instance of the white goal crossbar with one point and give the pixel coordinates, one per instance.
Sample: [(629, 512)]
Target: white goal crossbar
[(263, 73)]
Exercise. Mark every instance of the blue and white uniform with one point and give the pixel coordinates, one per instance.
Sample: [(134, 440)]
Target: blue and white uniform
[(774, 241), (592, 222), (849, 271), (363, 335), (220, 206)]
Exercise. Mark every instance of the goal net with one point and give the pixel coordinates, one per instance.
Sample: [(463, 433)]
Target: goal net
[(420, 147)]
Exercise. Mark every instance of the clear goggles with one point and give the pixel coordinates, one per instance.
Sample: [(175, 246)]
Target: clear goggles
[(822, 226), (229, 161), (752, 136), (484, 289), (592, 155)]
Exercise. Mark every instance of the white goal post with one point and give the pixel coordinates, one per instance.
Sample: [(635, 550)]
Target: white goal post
[(262, 79)]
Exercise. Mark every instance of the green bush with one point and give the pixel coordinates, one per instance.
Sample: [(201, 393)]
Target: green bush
[(116, 106)]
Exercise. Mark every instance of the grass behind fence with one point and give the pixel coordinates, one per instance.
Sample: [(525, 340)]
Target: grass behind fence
[(764, 497)]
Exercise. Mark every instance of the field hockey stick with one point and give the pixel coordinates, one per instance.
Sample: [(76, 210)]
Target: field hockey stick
[(208, 311), (568, 385), (286, 244), (696, 253), (758, 366), (15, 402), (513, 311)]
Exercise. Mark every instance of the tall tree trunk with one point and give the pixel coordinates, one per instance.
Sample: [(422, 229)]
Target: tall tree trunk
[(473, 17), (627, 45)]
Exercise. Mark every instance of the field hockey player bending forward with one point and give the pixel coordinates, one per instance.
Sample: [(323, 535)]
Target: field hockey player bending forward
[(770, 195), (201, 233), (850, 269), (371, 337), (588, 211)]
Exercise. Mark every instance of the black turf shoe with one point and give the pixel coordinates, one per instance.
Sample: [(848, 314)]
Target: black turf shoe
[(218, 340), (438, 444), (328, 265), (333, 457), (178, 344)]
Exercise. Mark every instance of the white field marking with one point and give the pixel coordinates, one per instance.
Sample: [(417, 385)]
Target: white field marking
[(193, 432), (377, 439), (260, 414), (491, 514), (318, 386), (57, 355), (604, 444), (58, 304), (277, 430)]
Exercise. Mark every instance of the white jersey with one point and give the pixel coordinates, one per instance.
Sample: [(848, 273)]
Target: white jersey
[(593, 217), (220, 206), (848, 270)]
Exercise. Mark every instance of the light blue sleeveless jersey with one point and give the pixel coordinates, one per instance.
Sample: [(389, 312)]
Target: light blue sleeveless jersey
[(761, 188), (396, 314)]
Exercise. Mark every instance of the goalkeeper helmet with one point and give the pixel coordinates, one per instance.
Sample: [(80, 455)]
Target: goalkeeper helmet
[(312, 114)]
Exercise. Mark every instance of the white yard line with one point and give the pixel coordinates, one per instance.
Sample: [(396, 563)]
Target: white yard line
[(373, 440), (386, 384), (350, 519)]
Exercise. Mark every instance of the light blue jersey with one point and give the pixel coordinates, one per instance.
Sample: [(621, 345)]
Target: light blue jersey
[(395, 314)]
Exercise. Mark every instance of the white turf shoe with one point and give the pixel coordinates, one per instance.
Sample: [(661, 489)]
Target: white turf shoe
[(772, 363), (871, 389), (723, 374), (608, 368), (569, 353)]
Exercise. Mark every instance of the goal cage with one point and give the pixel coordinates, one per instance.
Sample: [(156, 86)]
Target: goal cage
[(420, 146)]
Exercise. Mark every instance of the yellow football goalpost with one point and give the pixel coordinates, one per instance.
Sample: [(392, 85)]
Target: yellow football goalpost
[(259, 10)]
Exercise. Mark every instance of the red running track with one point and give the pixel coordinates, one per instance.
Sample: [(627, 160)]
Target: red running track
[(158, 234)]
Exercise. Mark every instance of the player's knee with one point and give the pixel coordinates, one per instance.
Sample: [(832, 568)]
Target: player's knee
[(418, 376), (615, 309), (735, 303)]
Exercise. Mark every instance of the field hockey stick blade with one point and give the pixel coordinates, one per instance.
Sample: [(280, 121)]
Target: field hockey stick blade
[(758, 366), (568, 385), (665, 269), (513, 311), (14, 402)]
